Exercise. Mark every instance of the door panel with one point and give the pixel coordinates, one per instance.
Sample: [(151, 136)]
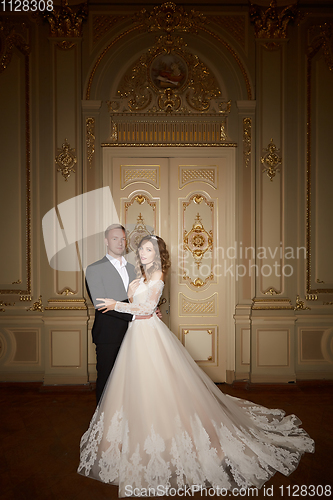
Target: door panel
[(197, 310), (187, 201), (140, 190)]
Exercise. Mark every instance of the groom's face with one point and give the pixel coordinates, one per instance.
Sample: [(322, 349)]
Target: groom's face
[(116, 242)]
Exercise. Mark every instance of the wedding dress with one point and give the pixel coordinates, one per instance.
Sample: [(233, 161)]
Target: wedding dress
[(162, 423)]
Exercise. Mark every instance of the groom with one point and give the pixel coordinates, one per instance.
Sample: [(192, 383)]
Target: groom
[(109, 278)]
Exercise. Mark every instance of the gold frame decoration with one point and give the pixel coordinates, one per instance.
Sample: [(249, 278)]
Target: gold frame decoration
[(247, 133), (140, 230), (168, 71), (271, 160), (90, 140), (211, 331), (168, 17), (135, 222), (66, 160), (168, 79), (198, 241)]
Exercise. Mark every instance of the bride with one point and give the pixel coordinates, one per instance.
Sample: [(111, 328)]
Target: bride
[(162, 424)]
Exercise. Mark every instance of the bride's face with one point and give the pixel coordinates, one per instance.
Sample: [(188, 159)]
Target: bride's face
[(147, 253)]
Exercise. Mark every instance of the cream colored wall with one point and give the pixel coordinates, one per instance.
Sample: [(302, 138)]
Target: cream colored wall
[(52, 91)]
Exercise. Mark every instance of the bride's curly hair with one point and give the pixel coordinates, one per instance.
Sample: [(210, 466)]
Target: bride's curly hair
[(162, 259)]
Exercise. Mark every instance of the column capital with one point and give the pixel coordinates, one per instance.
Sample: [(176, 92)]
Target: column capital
[(65, 22), (272, 23)]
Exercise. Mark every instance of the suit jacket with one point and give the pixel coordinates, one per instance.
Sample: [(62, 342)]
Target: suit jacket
[(104, 281)]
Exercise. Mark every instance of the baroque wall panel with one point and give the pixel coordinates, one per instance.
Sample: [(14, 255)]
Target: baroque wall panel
[(51, 151), (15, 137), (319, 171)]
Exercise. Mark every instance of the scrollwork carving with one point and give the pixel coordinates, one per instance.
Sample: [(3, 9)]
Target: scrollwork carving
[(168, 78), (140, 230), (169, 17), (64, 21), (273, 22), (300, 305), (66, 160), (90, 139), (271, 291), (66, 291), (247, 132), (271, 160), (198, 282), (198, 241), (37, 306), (169, 102)]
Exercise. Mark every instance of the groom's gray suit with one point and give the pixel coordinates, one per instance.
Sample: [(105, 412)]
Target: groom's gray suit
[(104, 281)]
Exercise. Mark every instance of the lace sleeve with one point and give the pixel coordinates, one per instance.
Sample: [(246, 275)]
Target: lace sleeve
[(148, 307)]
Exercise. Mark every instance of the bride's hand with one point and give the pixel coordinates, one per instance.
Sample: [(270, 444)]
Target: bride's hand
[(132, 287), (106, 305)]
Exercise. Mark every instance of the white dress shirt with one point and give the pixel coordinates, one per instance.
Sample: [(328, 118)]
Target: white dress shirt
[(121, 268)]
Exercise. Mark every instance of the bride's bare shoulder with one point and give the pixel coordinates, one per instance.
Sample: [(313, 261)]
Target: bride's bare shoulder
[(156, 276)]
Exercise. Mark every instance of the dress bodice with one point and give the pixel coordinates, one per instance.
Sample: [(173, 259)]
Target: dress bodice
[(145, 298)]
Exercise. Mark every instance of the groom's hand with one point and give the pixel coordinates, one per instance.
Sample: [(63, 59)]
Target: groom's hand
[(106, 305)]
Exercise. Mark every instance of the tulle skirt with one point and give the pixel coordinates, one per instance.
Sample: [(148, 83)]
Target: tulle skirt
[(162, 423)]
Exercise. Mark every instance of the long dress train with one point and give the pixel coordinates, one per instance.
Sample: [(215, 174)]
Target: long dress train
[(162, 423)]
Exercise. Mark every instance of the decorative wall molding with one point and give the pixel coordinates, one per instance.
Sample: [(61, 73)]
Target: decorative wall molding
[(233, 24), (300, 304), (272, 23), (37, 306), (247, 138), (66, 159), (102, 24), (182, 131), (17, 35), (271, 160), (139, 27), (197, 307), (66, 22), (201, 342), (170, 79), (192, 173), (149, 174), (273, 304), (199, 211), (90, 140), (319, 42), (169, 18)]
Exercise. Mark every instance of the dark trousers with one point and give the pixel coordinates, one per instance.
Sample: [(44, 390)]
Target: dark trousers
[(106, 356)]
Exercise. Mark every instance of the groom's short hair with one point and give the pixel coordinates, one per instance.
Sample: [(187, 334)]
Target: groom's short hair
[(114, 226)]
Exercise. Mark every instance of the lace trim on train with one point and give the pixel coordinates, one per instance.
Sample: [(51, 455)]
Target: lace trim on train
[(247, 457)]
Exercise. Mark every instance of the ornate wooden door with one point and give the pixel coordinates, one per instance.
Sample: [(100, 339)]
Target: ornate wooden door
[(188, 201)]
